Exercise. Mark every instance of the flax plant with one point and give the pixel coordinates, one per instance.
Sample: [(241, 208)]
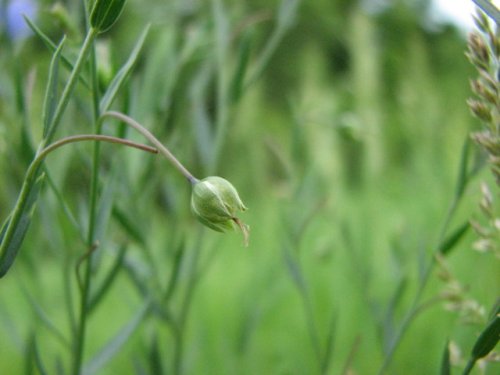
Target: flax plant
[(214, 202)]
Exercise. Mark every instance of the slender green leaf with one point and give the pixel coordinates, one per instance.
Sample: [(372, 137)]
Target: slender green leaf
[(327, 358), (241, 68), (105, 13), (10, 249), (38, 359), (176, 267), (204, 134), (123, 73), (155, 359), (462, 178), (392, 308), (44, 318), (50, 101), (109, 279), (285, 19), (128, 225), (488, 339), (453, 239), (53, 47), (105, 207), (295, 271), (114, 346), (445, 360)]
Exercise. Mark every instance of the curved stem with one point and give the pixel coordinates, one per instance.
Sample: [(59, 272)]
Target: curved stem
[(94, 137), (150, 137), (470, 365), (33, 172)]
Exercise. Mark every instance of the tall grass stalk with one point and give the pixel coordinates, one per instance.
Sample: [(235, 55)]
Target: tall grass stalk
[(442, 246)]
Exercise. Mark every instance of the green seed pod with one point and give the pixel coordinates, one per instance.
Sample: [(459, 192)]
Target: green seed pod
[(105, 13), (215, 202)]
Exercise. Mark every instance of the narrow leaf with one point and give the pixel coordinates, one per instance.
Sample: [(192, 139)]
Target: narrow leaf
[(128, 225), (114, 346), (176, 267), (10, 248), (50, 101), (44, 318), (53, 47), (445, 360), (239, 74), (108, 281), (38, 359), (488, 339), (453, 239), (123, 73), (285, 18), (105, 13), (105, 207), (327, 358), (201, 120), (462, 178), (155, 359), (294, 270)]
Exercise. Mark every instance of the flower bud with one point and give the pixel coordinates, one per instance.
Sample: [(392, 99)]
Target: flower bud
[(215, 202), (105, 13)]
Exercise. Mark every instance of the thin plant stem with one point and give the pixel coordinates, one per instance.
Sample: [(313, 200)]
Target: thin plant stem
[(150, 137), (92, 218), (70, 85), (95, 137), (470, 365), (186, 304), (34, 168), (415, 306)]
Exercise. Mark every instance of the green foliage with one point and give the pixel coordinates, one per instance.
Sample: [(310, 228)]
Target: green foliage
[(343, 130)]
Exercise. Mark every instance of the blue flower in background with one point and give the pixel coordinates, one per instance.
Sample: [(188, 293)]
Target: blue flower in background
[(11, 17)]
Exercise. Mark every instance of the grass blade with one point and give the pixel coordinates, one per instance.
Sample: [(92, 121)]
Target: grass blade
[(462, 172), (327, 359), (9, 250), (123, 73), (36, 356), (445, 360), (155, 359), (50, 101), (105, 207), (241, 68), (453, 239), (114, 346), (108, 281), (285, 19), (44, 318), (204, 134), (128, 225), (53, 47)]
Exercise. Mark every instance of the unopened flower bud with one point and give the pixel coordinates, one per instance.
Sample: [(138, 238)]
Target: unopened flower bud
[(215, 203)]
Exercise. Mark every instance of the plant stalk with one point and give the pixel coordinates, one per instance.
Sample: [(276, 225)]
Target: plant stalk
[(150, 137), (70, 85)]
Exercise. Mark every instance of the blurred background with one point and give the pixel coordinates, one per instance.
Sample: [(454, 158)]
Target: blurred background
[(341, 123)]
